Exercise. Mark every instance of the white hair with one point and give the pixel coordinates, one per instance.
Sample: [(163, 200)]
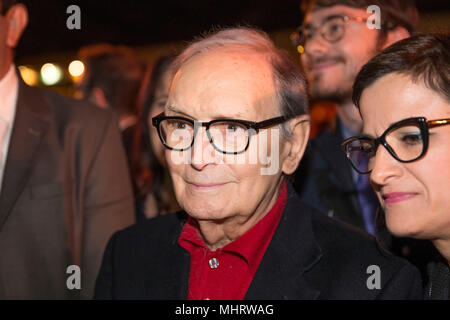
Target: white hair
[(290, 84)]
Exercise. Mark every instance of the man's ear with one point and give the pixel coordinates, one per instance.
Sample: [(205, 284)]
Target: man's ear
[(295, 146), (394, 35), (17, 19)]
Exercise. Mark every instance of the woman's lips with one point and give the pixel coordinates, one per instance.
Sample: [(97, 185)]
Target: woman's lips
[(395, 197)]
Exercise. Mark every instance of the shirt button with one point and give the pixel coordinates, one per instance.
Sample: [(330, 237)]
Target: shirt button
[(213, 263)]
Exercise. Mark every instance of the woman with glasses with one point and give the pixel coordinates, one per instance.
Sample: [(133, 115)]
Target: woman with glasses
[(403, 96)]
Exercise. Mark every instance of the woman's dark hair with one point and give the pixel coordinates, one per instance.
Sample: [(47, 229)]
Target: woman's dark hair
[(424, 58), (147, 172)]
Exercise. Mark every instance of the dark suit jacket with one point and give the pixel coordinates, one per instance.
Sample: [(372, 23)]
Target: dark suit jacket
[(309, 257), (324, 178), (65, 190)]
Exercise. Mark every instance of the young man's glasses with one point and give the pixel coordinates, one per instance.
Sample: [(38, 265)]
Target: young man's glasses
[(332, 30), (227, 136), (406, 141)]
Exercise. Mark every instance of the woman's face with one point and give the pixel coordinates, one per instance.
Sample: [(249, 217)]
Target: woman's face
[(156, 108), (415, 195)]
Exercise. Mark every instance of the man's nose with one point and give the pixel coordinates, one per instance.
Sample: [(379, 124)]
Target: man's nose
[(202, 151), (385, 167), (316, 45)]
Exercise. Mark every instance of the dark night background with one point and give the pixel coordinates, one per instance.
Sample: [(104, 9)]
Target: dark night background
[(146, 22)]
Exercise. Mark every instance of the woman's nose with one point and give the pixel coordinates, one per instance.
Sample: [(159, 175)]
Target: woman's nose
[(384, 167)]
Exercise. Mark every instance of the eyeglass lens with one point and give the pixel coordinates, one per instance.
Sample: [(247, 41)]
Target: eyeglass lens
[(226, 136), (405, 143), (332, 30)]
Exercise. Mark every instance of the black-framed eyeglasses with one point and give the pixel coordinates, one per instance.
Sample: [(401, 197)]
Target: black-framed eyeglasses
[(332, 30), (406, 140), (228, 136)]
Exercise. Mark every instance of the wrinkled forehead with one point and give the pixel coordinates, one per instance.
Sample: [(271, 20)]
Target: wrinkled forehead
[(246, 63), (231, 80)]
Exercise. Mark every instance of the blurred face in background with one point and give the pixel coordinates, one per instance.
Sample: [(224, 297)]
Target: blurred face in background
[(414, 195), (331, 67), (12, 24), (159, 102)]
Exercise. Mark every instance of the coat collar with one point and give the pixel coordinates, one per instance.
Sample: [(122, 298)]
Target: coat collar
[(292, 252), (329, 145), (30, 125), (164, 275)]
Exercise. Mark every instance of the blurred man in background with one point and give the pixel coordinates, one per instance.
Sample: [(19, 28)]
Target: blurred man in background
[(112, 80), (65, 184), (338, 37)]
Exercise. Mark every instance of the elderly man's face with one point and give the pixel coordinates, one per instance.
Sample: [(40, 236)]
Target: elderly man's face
[(214, 185)]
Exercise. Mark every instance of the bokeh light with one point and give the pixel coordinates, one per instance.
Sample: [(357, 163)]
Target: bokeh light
[(50, 74), (29, 75), (76, 68)]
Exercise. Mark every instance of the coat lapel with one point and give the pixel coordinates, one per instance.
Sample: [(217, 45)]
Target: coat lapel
[(30, 125), (292, 252), (177, 281), (335, 183), (330, 148), (170, 274)]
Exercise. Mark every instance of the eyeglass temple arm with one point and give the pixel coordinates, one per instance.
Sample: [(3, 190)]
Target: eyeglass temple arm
[(438, 123), (269, 122), (156, 118)]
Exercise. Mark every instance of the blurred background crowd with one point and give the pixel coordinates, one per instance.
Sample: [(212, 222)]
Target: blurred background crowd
[(119, 57)]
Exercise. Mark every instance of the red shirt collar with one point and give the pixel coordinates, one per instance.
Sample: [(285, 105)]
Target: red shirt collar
[(252, 244)]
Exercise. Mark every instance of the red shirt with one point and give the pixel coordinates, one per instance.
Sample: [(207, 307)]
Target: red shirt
[(226, 274)]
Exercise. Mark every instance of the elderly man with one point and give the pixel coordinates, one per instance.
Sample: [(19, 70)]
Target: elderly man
[(234, 126)]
